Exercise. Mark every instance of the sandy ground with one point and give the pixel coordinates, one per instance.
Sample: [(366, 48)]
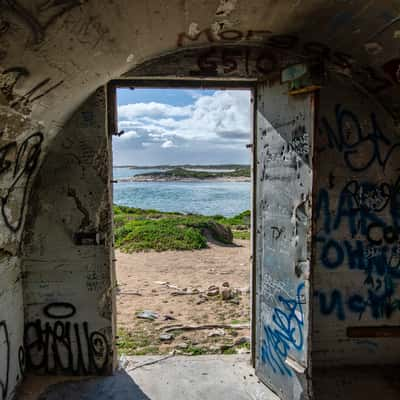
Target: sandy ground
[(148, 281)]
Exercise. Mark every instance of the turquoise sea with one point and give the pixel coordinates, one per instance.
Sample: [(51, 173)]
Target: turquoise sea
[(207, 198)]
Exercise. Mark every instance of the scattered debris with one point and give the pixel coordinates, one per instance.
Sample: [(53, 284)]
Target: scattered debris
[(166, 337), (182, 346), (227, 293), (202, 299), (235, 300), (213, 291), (185, 291), (217, 332), (201, 327), (147, 315), (169, 318), (152, 362), (225, 284), (123, 362), (242, 340)]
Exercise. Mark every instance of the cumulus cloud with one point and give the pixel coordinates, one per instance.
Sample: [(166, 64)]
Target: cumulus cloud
[(168, 144), (214, 121)]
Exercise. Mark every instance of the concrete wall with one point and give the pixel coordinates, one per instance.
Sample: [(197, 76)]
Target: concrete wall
[(21, 149), (67, 251), (356, 236)]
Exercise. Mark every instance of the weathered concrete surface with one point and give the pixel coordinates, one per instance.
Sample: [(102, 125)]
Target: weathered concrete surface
[(54, 54), (177, 378), (285, 126), (356, 237)]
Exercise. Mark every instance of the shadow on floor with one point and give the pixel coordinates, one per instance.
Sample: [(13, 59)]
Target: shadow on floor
[(120, 386), (356, 383)]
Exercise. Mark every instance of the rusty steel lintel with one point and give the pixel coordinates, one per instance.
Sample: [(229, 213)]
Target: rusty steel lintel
[(373, 331)]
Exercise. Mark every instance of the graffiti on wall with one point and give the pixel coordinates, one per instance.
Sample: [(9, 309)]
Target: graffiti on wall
[(359, 222), (11, 76), (284, 333), (4, 360), (17, 165), (48, 12), (60, 345), (374, 80)]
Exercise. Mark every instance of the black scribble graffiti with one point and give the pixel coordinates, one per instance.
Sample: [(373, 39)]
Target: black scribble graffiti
[(26, 160), (59, 345), (59, 310), (21, 360), (53, 9), (86, 219), (276, 232), (4, 361), (10, 77)]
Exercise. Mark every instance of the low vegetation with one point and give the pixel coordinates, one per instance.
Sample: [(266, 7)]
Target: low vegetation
[(183, 173), (138, 230)]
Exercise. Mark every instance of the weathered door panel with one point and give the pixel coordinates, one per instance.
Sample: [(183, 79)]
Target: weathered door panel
[(284, 130)]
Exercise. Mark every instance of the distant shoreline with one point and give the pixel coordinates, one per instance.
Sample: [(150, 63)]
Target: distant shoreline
[(181, 174), (186, 166), (139, 178)]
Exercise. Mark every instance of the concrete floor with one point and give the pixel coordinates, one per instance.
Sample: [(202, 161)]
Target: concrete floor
[(207, 377), (176, 378)]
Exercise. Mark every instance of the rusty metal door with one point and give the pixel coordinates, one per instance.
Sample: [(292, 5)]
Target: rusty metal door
[(284, 130)]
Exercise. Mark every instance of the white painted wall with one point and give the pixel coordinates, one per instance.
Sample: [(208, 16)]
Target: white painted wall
[(67, 251)]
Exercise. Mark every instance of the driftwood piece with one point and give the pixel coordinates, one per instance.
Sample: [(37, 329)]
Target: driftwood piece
[(204, 327)]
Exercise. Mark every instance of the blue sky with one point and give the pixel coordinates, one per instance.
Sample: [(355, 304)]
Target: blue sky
[(179, 126)]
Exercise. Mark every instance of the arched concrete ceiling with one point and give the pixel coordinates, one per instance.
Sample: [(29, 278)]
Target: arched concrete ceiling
[(53, 53)]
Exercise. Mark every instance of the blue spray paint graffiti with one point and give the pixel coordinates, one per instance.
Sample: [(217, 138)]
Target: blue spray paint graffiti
[(359, 225), (284, 334), (380, 305)]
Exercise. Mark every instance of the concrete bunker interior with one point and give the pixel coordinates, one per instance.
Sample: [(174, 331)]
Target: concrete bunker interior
[(178, 294), (334, 324)]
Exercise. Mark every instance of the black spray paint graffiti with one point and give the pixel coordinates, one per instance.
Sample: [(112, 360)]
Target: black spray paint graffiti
[(360, 149), (59, 345), (50, 9), (22, 168), (372, 79), (12, 75), (4, 360)]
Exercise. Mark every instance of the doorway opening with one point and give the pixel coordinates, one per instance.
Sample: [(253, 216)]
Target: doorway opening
[(182, 195)]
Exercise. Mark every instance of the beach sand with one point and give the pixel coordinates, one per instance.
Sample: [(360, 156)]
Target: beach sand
[(148, 281)]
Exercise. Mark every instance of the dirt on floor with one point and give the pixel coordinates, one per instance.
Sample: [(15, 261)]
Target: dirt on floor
[(184, 290)]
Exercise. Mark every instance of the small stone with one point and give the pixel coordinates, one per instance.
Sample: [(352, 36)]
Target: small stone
[(182, 346), (225, 284), (169, 318), (226, 293), (150, 315), (242, 340), (213, 291), (216, 332), (166, 337), (234, 301)]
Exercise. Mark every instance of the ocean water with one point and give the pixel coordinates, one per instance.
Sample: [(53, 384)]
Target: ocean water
[(207, 198)]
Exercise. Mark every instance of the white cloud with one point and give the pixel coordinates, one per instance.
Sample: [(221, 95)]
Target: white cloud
[(129, 135), (168, 144), (212, 122)]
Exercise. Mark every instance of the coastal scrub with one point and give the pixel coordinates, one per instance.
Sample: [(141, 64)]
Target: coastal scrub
[(138, 230)]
